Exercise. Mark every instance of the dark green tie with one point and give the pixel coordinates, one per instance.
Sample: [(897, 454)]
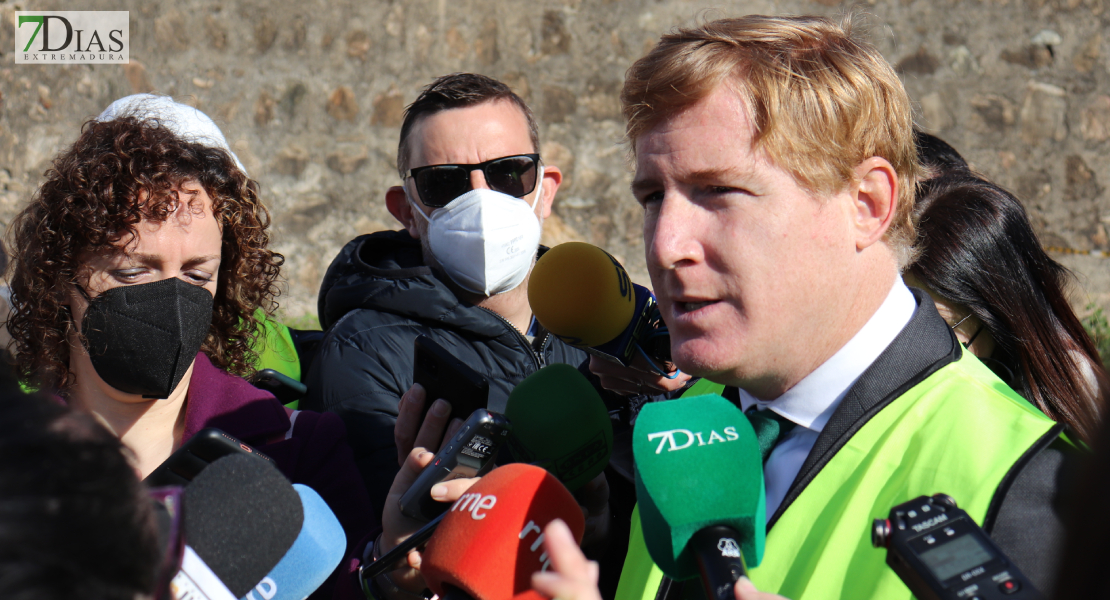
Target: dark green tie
[(770, 427)]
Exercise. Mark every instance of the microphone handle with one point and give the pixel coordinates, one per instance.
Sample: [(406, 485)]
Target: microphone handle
[(720, 562)]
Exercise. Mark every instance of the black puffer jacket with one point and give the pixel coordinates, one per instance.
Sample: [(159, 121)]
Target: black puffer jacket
[(376, 298)]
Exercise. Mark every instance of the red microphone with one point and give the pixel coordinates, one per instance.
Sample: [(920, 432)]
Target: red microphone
[(491, 540)]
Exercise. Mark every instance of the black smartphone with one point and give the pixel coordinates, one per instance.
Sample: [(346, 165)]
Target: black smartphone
[(469, 454), (444, 376), (193, 456), (283, 387)]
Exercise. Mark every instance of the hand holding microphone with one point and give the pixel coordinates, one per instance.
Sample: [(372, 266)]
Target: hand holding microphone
[(396, 527), (561, 424), (572, 576), (745, 590), (699, 484), (584, 296), (635, 379), (491, 541)]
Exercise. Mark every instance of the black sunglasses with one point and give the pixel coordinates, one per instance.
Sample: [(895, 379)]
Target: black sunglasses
[(438, 185)]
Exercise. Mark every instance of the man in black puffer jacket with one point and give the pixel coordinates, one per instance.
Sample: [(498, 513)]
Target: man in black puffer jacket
[(376, 298), (474, 197)]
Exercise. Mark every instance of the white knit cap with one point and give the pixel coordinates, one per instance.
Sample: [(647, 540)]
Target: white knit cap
[(183, 120)]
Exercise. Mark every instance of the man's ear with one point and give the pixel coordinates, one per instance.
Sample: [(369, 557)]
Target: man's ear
[(552, 177), (876, 200), (401, 210)]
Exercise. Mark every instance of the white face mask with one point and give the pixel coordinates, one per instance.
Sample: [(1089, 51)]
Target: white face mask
[(485, 240)]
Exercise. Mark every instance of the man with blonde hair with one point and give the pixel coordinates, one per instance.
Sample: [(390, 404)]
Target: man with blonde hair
[(776, 167)]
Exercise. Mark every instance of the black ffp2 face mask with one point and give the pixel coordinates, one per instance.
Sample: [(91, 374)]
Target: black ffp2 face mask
[(143, 338)]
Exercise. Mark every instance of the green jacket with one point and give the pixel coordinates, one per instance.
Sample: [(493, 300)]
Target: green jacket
[(275, 347), (924, 418)]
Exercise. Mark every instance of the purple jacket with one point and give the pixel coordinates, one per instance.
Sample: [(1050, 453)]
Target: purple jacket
[(309, 448)]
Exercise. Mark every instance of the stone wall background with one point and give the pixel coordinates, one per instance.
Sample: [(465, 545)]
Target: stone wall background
[(310, 96)]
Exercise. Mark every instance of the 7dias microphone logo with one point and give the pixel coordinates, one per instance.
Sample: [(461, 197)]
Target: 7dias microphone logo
[(670, 438), (71, 36), (729, 548)]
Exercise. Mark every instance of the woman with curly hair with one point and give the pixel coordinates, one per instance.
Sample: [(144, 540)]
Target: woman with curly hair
[(139, 266)]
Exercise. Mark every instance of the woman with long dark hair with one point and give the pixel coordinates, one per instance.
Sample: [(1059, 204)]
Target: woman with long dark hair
[(1004, 296)]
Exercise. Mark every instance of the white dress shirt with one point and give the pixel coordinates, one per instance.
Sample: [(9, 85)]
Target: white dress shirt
[(812, 401)]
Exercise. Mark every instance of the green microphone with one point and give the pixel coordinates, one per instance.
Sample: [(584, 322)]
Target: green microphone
[(699, 482), (561, 424)]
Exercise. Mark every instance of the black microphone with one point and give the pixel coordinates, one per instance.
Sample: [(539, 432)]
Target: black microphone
[(250, 533)]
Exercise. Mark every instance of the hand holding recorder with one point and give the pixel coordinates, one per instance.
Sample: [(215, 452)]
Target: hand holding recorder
[(470, 453), (396, 527)]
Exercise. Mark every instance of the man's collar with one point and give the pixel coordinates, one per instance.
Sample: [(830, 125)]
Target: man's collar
[(812, 401)]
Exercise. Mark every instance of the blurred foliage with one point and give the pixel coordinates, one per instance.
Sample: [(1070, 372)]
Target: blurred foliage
[(310, 322), (1098, 328)]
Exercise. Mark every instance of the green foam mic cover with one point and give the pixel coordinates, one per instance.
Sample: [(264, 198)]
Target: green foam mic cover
[(697, 464), (561, 424)]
